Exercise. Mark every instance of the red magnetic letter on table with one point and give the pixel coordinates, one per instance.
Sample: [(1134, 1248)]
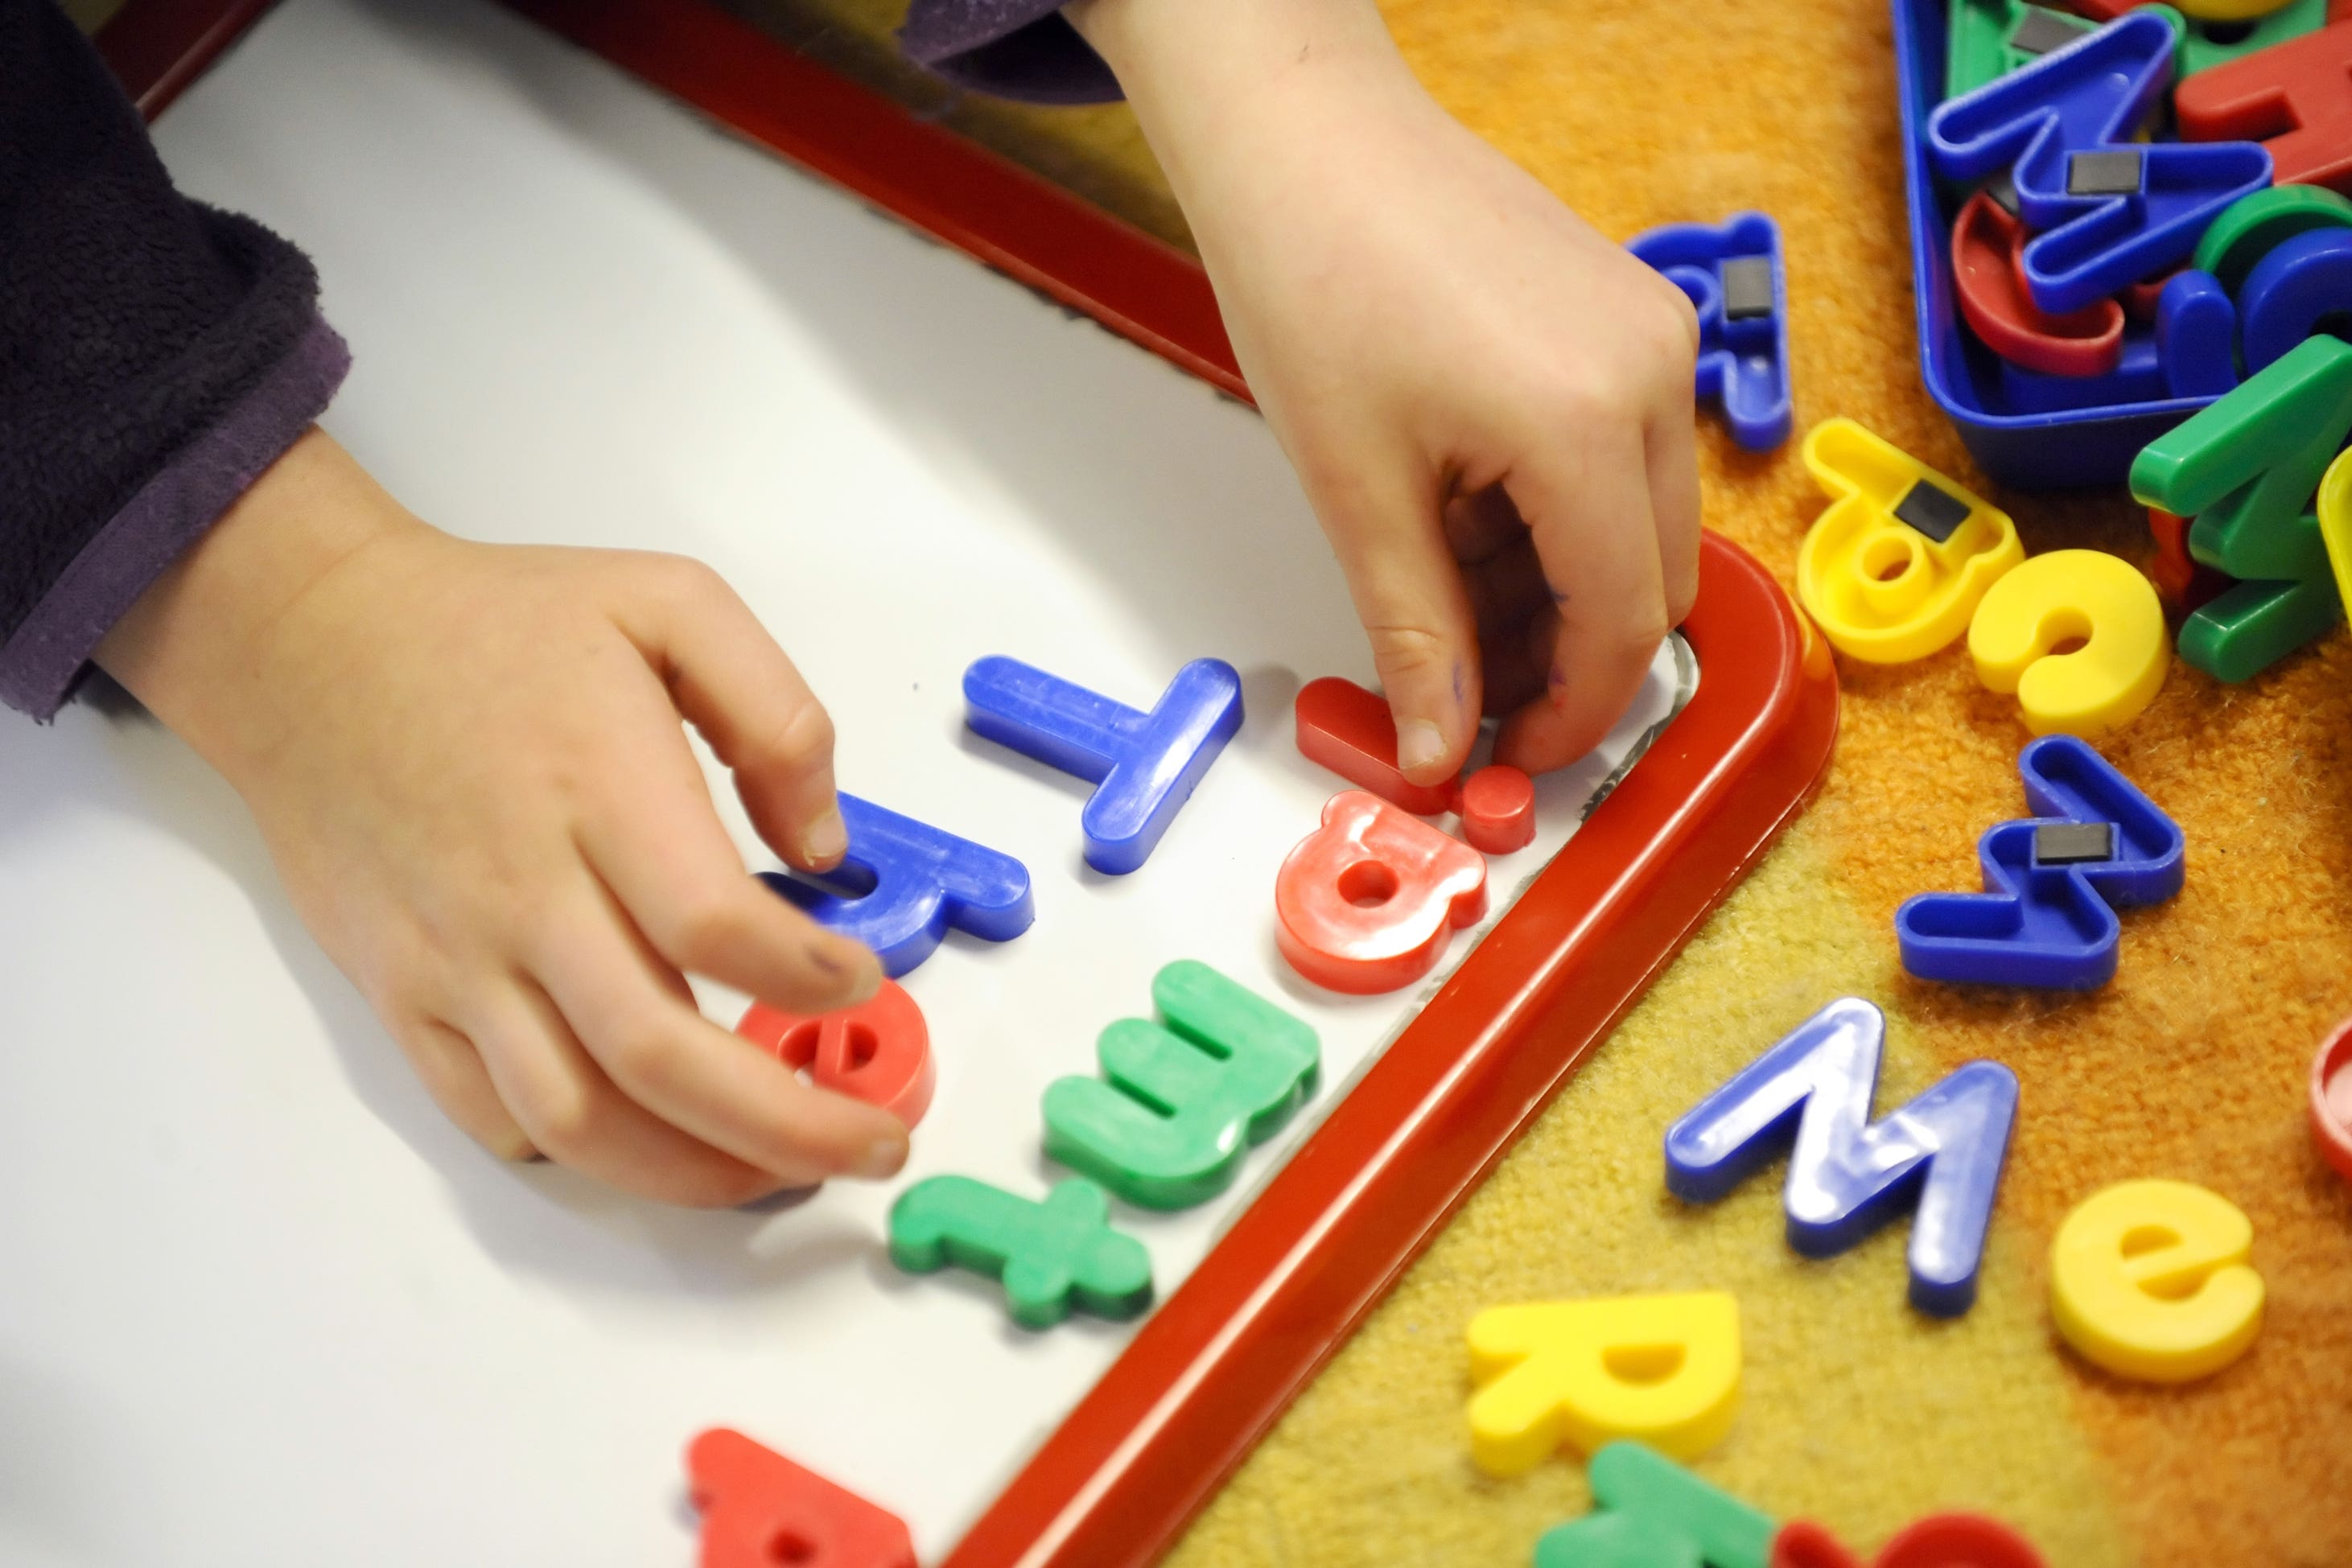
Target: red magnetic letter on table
[(2331, 1099), (2295, 98), (1958, 1541), (1365, 902), (2140, 300), (759, 1508), (1988, 247), (1938, 1541), (1350, 731), (2186, 584), (1801, 1544), (878, 1052), (1499, 809)]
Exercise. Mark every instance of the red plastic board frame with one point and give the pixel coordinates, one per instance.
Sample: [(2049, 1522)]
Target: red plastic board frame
[(157, 47), (1211, 1370), (987, 206)]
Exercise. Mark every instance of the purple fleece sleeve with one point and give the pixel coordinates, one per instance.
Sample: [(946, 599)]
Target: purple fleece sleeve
[(1013, 48), (155, 356)]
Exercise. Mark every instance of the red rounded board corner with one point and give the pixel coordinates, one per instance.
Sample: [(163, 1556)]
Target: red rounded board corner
[(878, 1052), (759, 1510), (1211, 1370), (2331, 1099), (1350, 731), (1499, 809), (1366, 902)]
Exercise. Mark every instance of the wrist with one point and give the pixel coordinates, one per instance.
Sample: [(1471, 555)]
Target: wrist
[(202, 647), (1224, 83)]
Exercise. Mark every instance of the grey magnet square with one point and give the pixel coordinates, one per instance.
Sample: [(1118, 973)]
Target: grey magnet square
[(1934, 512), (2073, 843), (2043, 31), (2109, 174), (1746, 287), (2003, 189)]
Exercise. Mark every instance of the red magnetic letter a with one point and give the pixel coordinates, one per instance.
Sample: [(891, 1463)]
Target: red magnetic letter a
[(761, 1510)]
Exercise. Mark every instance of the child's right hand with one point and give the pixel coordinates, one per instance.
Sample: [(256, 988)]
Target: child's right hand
[(469, 765), (1487, 403)]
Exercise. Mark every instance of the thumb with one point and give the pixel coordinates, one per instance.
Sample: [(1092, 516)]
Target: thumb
[(1409, 595)]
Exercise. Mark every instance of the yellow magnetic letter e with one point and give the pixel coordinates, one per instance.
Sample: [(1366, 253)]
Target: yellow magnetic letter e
[(2149, 1279)]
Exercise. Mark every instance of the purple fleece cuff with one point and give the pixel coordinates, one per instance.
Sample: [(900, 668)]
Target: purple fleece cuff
[(1012, 49), (39, 664)]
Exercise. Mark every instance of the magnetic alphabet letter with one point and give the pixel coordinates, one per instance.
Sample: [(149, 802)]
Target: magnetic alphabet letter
[(1366, 902), (1662, 1369)]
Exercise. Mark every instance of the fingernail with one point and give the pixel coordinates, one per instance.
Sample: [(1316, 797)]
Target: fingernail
[(1420, 744), (883, 1159), (827, 837), (836, 958)]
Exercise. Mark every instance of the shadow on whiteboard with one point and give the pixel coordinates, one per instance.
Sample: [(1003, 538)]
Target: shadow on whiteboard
[(108, 757), (1176, 500), (987, 1295)]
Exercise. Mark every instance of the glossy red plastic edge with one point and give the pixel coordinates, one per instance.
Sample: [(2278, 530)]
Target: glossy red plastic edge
[(157, 47), (1210, 1372), (957, 192)]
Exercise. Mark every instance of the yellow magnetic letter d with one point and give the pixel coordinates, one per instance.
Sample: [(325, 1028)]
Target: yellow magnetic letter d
[(1664, 1369)]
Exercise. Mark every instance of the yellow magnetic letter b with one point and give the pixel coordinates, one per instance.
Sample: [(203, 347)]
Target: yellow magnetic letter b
[(2072, 595), (2149, 1279), (1664, 1369)]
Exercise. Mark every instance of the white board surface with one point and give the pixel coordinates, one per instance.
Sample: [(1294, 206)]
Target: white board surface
[(263, 1305)]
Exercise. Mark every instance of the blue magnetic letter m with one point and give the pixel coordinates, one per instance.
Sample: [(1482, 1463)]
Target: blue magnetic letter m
[(1847, 1176)]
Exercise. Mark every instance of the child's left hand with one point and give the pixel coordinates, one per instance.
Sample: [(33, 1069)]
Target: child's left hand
[(1489, 404)]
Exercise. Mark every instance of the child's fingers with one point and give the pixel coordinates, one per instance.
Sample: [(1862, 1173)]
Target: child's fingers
[(676, 1063), (576, 1116), (1518, 660), (656, 842), (1409, 595), (733, 682), (1506, 589), (1671, 444), (451, 1070), (1593, 529)]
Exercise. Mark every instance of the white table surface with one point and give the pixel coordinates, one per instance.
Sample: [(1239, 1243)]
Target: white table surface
[(263, 1305)]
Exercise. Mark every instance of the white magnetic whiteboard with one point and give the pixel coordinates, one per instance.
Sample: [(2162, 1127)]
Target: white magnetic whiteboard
[(263, 1305)]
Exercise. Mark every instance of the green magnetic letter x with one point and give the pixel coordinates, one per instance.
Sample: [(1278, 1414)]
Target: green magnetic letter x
[(1051, 1255), (2247, 467), (1185, 1100)]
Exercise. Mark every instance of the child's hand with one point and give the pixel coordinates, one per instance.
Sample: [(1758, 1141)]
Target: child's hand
[(1489, 404), (469, 764)]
